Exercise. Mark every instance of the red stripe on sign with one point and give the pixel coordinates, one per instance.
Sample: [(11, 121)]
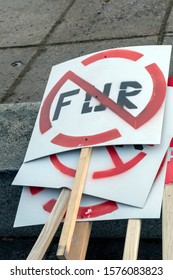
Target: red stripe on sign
[(97, 210), (171, 144), (82, 141), (36, 190), (169, 169), (44, 122), (126, 54), (158, 94), (120, 167), (48, 206), (87, 211), (169, 172), (170, 81), (61, 167)]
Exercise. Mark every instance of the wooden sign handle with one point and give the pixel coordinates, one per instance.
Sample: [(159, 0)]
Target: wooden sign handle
[(132, 239), (167, 223), (80, 240), (73, 205), (55, 218)]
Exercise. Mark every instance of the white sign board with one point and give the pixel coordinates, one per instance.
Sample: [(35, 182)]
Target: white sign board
[(119, 176), (111, 97), (36, 204), (123, 174)]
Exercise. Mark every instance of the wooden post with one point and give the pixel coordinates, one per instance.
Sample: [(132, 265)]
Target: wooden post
[(167, 223), (80, 241), (56, 216), (73, 205), (132, 239)]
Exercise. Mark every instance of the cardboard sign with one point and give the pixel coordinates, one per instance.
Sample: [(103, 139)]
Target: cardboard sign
[(111, 97), (127, 172), (36, 204)]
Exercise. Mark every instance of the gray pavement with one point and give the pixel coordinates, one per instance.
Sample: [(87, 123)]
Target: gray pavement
[(35, 35)]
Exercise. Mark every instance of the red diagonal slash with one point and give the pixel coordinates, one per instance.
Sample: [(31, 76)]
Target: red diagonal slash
[(67, 140), (156, 100)]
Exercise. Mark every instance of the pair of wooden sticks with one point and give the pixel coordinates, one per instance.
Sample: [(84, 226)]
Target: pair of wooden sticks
[(68, 203), (74, 238)]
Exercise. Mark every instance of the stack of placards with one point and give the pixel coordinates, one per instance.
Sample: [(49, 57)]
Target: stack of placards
[(118, 102)]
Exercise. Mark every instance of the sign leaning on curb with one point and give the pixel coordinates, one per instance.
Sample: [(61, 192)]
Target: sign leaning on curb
[(107, 99), (111, 97), (120, 164)]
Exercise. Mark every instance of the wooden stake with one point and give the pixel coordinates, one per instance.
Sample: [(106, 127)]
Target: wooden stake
[(74, 203), (56, 216), (132, 239), (167, 223), (80, 241)]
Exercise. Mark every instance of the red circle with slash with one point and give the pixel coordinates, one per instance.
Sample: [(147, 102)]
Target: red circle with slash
[(156, 100)]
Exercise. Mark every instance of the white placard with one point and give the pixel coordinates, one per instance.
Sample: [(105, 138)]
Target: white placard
[(111, 97), (123, 174), (36, 204)]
